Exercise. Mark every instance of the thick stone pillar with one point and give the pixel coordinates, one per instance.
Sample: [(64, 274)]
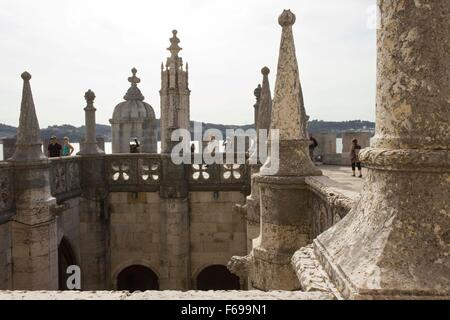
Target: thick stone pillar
[(175, 238), (34, 229), (90, 145), (285, 218), (395, 242)]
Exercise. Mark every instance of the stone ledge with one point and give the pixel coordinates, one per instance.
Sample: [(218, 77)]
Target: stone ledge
[(310, 273), (164, 295)]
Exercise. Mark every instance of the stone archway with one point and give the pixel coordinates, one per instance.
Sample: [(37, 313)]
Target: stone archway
[(217, 277), (137, 277), (66, 257)]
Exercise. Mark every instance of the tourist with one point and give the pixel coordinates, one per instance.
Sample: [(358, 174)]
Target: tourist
[(134, 148), (312, 145), (67, 148), (354, 156), (54, 148)]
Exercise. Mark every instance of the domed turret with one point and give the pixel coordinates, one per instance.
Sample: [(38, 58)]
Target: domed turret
[(133, 119)]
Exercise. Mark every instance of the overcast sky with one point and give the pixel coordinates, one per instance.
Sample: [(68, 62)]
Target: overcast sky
[(72, 46)]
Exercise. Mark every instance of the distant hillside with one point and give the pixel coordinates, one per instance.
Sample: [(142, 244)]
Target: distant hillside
[(76, 134), (338, 127)]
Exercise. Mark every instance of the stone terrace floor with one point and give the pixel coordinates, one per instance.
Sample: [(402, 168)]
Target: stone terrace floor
[(341, 179)]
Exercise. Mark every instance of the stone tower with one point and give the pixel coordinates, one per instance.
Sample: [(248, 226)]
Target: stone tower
[(133, 118), (174, 95)]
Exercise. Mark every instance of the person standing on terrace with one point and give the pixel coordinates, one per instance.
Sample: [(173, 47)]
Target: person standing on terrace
[(54, 148), (67, 148)]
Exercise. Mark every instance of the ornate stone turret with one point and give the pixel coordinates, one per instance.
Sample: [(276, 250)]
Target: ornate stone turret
[(174, 94), (132, 119), (29, 144), (89, 145), (395, 242)]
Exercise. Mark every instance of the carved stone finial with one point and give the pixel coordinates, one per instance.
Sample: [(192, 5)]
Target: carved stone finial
[(134, 80), (26, 76), (265, 71), (174, 41), (89, 96), (133, 92), (286, 19)]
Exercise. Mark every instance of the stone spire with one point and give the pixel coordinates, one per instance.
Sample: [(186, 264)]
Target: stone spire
[(288, 111), (175, 93), (29, 144), (265, 105), (133, 92)]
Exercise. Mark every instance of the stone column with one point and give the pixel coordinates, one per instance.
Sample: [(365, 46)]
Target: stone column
[(395, 242), (175, 239), (34, 236), (89, 145), (285, 218)]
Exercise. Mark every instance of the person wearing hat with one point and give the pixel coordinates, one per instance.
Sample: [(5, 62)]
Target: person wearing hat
[(54, 148), (354, 156)]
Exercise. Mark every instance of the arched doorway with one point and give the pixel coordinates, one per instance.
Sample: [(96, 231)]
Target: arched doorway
[(66, 257), (217, 277), (137, 277)]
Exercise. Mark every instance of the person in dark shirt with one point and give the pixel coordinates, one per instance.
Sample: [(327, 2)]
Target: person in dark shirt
[(312, 145), (354, 156), (54, 148)]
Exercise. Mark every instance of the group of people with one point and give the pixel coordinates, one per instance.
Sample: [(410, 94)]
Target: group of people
[(54, 149), (354, 154)]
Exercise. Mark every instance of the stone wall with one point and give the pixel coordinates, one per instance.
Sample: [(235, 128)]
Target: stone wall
[(69, 225), (217, 231), (135, 231)]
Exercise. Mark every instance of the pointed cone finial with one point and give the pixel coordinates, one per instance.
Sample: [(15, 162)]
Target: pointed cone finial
[(174, 41), (288, 112), (133, 92), (28, 145), (265, 104)]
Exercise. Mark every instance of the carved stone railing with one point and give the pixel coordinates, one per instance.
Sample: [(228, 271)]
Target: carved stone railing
[(144, 172), (65, 177), (133, 172), (6, 191)]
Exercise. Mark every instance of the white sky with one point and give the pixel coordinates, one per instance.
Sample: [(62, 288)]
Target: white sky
[(72, 46)]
